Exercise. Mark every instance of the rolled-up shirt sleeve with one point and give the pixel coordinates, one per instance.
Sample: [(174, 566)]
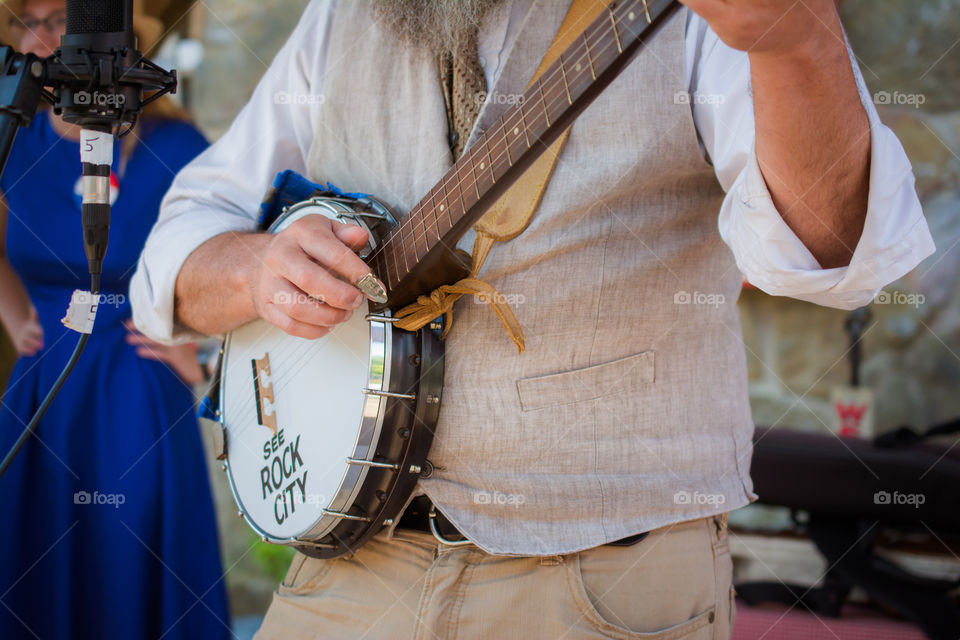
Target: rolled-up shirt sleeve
[(895, 236), (220, 191)]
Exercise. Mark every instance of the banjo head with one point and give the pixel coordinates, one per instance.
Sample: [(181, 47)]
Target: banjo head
[(294, 411)]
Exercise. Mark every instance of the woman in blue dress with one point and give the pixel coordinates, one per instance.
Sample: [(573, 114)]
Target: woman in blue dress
[(107, 527)]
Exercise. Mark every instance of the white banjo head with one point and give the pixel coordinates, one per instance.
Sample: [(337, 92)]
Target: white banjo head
[(290, 410)]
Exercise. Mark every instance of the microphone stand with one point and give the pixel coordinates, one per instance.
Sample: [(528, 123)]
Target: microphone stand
[(80, 72), (21, 89)]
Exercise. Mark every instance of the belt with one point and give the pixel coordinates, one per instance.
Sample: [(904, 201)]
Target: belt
[(422, 515)]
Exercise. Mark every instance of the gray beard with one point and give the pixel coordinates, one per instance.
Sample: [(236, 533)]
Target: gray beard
[(434, 25)]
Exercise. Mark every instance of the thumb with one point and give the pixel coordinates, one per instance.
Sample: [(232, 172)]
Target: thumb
[(351, 235)]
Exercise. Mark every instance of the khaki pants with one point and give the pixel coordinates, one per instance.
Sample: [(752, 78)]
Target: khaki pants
[(676, 583)]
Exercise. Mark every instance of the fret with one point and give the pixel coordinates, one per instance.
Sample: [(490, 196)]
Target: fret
[(463, 204), (444, 207), (506, 140), (646, 12), (493, 176), (396, 263), (430, 222), (613, 25), (604, 55), (523, 123), (543, 101), (563, 73), (416, 218), (433, 212), (476, 180), (403, 242), (399, 249), (385, 259), (593, 72)]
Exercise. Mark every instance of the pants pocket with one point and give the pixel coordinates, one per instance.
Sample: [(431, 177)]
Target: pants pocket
[(661, 588), (304, 575), (699, 626)]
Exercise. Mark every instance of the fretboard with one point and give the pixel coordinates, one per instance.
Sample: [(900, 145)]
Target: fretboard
[(507, 148)]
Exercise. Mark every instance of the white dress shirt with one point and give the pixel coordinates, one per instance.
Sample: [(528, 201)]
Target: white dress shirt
[(220, 191)]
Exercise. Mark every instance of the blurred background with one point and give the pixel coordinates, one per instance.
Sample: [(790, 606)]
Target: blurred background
[(799, 354)]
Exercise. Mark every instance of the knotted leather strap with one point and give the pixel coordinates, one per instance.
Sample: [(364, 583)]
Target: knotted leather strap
[(510, 215)]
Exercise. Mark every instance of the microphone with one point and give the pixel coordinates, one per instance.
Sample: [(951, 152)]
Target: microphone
[(98, 74), (99, 78)]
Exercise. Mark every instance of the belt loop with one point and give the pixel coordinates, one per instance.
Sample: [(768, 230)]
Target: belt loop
[(720, 522)]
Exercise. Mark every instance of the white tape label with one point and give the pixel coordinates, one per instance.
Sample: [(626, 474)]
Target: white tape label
[(82, 311), (96, 147)]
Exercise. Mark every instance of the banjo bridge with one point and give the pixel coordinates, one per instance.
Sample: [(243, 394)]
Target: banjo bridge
[(263, 390)]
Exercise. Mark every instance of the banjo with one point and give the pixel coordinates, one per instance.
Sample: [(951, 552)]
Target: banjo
[(326, 482)]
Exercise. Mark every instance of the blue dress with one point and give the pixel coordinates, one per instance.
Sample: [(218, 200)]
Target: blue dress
[(106, 518)]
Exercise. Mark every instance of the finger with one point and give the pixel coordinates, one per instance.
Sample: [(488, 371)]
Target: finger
[(324, 246), (137, 338), (278, 318), (350, 234), (309, 277), (307, 309)]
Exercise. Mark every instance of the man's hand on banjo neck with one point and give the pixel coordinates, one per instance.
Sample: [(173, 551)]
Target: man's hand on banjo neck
[(299, 279)]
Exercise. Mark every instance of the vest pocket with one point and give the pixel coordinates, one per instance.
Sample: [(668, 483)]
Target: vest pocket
[(589, 383)]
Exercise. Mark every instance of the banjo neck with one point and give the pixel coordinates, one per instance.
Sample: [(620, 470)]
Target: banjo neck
[(415, 256)]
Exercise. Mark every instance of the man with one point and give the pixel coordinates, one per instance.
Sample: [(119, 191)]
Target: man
[(628, 411)]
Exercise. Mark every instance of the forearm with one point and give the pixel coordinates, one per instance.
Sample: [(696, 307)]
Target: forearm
[(15, 302), (813, 141), (214, 286)]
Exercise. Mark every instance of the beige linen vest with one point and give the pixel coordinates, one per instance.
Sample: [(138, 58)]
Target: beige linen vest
[(629, 409)]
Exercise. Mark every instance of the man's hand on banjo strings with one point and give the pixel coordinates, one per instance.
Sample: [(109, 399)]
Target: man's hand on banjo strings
[(302, 284), (299, 279)]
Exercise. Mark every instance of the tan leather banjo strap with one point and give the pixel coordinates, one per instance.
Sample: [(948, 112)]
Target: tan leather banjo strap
[(511, 214)]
